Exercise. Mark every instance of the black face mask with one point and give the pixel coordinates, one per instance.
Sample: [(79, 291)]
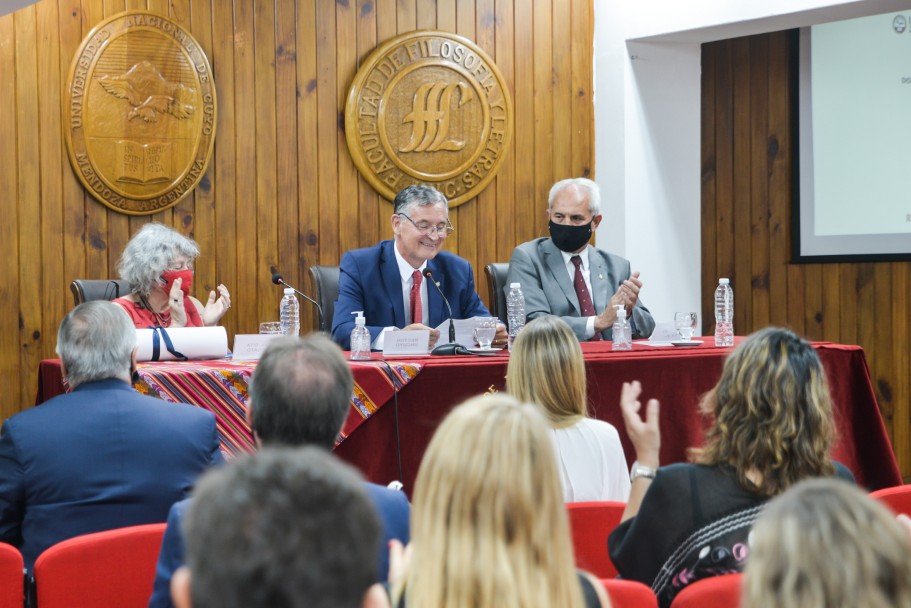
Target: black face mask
[(570, 238)]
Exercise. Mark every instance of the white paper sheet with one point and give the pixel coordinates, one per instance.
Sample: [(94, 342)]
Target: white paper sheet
[(193, 342), (464, 332)]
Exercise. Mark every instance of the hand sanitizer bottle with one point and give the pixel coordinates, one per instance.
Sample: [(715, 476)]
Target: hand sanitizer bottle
[(360, 337), (621, 332)]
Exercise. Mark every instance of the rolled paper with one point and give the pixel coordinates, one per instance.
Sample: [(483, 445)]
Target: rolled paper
[(192, 342)]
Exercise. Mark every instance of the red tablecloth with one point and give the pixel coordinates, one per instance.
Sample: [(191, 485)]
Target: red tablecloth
[(676, 376)]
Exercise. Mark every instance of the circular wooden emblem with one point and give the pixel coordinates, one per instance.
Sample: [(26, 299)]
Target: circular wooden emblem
[(431, 108), (139, 113)]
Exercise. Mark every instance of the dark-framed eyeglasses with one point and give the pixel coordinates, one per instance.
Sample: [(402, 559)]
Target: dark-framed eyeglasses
[(441, 229)]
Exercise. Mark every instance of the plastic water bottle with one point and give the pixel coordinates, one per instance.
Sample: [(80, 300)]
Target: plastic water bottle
[(515, 311), (289, 313), (622, 331), (724, 313), (360, 337)]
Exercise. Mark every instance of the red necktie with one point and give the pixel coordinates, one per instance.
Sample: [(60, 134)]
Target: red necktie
[(417, 313), (585, 299)]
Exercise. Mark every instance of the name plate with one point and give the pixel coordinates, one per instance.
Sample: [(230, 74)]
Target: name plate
[(409, 343), (250, 347), (664, 334)]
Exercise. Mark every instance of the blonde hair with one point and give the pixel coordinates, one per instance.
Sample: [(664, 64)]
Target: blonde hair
[(826, 543), (489, 527), (772, 413), (546, 368)]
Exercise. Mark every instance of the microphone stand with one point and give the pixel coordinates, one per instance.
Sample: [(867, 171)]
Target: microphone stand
[(452, 348), (278, 280)]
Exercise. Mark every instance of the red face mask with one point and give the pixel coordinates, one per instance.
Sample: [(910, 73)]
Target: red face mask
[(169, 276)]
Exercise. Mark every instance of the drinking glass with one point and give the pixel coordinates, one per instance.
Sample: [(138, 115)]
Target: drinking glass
[(485, 329), (685, 323), (270, 327)]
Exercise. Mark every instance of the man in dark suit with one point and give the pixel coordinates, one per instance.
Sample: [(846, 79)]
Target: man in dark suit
[(388, 282), (102, 456), (299, 396), (565, 276)]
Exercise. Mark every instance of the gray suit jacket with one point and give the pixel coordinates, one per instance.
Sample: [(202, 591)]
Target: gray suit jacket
[(538, 266)]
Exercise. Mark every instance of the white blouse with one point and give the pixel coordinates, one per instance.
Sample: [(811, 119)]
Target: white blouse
[(591, 462)]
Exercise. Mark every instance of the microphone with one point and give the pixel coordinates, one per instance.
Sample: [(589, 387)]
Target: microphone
[(278, 280), (452, 348)]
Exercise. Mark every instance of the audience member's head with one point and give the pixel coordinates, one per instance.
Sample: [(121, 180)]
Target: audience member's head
[(287, 528), (489, 527), (546, 368), (826, 543), (772, 413), (96, 342), (300, 392)]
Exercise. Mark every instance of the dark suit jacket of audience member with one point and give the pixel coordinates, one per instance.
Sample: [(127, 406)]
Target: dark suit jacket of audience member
[(369, 280), (99, 458), (392, 506)]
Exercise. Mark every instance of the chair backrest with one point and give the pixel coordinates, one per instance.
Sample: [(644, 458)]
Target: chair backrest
[(714, 592), (86, 290), (629, 594), (325, 279), (590, 524), (12, 577), (112, 569), (496, 288), (897, 498)]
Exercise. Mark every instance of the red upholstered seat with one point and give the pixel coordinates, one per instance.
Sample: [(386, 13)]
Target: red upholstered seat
[(629, 594), (715, 592), (112, 569), (897, 498), (12, 578), (590, 524)]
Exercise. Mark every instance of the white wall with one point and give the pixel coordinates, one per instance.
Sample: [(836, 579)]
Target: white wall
[(647, 125)]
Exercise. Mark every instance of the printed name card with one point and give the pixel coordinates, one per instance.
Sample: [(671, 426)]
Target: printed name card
[(410, 343), (664, 334), (250, 347)]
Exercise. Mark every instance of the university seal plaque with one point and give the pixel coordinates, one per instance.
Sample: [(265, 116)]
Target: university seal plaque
[(432, 108), (139, 113)]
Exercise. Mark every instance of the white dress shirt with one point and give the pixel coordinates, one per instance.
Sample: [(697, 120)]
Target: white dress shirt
[(406, 272)]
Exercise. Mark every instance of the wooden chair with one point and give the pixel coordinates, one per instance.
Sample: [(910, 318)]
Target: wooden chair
[(325, 280), (496, 288), (112, 569), (86, 290), (12, 577), (714, 592), (897, 498), (629, 594), (590, 524)]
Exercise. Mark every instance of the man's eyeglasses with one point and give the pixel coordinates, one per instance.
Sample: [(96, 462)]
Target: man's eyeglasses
[(426, 229)]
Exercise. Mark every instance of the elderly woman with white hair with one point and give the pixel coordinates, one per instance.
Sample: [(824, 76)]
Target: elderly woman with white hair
[(158, 265)]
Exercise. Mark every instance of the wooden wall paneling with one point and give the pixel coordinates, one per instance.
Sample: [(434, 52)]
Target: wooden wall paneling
[(346, 59), (847, 327), (406, 16), (464, 217), (30, 259), (882, 355), (426, 14), (287, 252), (446, 13), (197, 18), (759, 181), (11, 367), (368, 199), (327, 129), (246, 151), (724, 172), (561, 32), (484, 208), (901, 388), (503, 233), (524, 111), (780, 174), (51, 279), (308, 199), (224, 169), (387, 28), (742, 183), (544, 106), (267, 199), (708, 179), (581, 89)]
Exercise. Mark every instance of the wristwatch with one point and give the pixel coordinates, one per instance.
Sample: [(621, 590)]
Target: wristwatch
[(640, 470)]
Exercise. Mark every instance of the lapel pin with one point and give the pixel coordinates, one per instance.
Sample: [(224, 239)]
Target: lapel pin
[(600, 277)]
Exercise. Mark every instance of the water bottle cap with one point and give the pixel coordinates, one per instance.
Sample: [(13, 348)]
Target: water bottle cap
[(289, 291), (724, 281), (514, 286)]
